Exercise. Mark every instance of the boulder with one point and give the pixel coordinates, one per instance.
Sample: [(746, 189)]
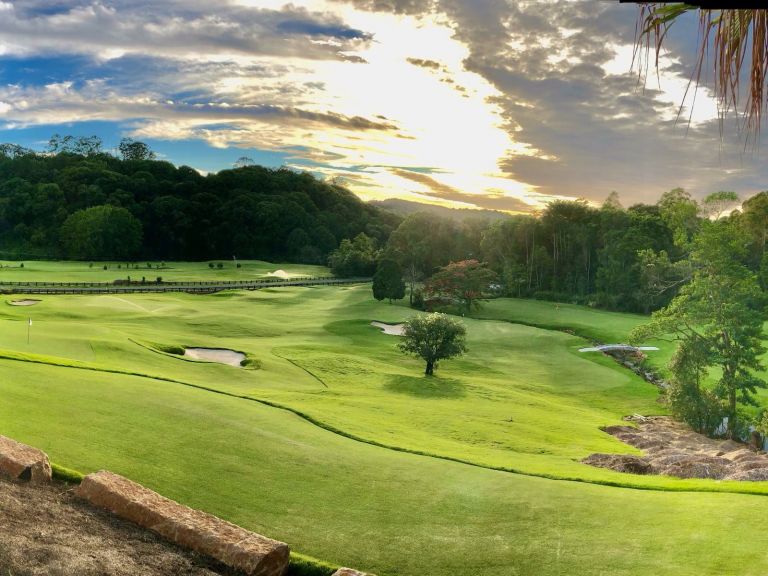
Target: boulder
[(236, 547), (21, 462), (349, 572)]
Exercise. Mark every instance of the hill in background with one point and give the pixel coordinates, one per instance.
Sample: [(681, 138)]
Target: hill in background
[(407, 207)]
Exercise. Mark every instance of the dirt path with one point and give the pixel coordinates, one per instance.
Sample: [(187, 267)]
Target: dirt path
[(45, 531), (673, 449)]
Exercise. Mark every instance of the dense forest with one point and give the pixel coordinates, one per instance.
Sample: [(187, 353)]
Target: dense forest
[(630, 259), (77, 201)]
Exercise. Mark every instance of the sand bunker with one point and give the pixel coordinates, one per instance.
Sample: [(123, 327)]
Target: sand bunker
[(672, 449), (391, 329), (27, 302), (280, 274), (220, 355)]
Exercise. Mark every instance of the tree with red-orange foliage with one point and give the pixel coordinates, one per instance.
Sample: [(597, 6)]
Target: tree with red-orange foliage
[(465, 281)]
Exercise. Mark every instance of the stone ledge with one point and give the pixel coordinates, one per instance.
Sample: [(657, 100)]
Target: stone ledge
[(252, 553), (21, 462)]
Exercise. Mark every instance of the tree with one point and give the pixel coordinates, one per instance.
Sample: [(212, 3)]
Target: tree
[(433, 337), (728, 35), (612, 202), (101, 232), (718, 320), (465, 281), (244, 162), (388, 281), (354, 257), (679, 211), (131, 149), (715, 204)]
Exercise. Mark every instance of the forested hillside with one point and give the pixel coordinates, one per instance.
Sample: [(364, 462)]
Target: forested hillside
[(632, 259), (81, 203)]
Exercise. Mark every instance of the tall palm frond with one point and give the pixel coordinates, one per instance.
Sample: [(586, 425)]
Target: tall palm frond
[(731, 35)]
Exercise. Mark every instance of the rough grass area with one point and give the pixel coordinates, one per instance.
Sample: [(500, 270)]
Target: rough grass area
[(320, 447)]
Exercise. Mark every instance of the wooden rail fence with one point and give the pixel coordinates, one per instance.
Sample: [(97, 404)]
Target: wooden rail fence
[(181, 286)]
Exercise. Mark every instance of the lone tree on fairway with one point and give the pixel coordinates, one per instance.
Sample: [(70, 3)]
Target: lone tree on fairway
[(388, 281), (433, 337)]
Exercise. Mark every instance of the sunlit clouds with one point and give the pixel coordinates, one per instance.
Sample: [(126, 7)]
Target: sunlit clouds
[(482, 104)]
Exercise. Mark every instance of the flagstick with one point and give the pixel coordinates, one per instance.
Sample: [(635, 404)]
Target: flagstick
[(29, 326)]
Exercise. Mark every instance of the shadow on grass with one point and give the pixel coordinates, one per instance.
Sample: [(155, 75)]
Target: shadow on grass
[(426, 386)]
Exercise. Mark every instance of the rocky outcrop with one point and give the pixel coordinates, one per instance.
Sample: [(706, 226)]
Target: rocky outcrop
[(350, 572), (673, 449), (234, 546), (21, 462)]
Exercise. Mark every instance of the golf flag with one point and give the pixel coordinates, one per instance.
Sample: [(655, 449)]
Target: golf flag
[(30, 322)]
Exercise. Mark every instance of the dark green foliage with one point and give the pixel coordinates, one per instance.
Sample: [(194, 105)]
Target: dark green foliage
[(354, 257), (101, 232), (388, 281), (254, 212), (632, 259)]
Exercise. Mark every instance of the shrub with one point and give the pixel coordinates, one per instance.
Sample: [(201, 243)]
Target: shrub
[(219, 265), (21, 265), (105, 266), (210, 265), (90, 265), (239, 265), (418, 300), (697, 407), (159, 279)]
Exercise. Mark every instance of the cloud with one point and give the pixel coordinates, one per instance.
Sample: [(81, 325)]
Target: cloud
[(174, 29), (431, 64), (438, 190), (592, 130)]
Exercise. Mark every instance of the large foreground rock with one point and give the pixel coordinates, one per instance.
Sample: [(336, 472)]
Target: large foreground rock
[(350, 572), (21, 462), (234, 546)]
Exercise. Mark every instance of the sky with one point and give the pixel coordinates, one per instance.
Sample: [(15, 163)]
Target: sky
[(490, 104)]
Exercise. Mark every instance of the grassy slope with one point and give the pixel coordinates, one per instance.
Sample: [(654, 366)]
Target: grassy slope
[(350, 503), (65, 271), (523, 398)]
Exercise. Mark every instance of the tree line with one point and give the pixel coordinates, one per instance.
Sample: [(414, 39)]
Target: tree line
[(632, 259), (77, 201)]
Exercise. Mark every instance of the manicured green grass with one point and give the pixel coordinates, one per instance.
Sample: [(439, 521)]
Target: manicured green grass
[(523, 399), (354, 504), (67, 271), (591, 323), (313, 447)]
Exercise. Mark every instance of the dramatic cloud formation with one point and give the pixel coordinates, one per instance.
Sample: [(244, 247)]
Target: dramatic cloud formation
[(485, 103)]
